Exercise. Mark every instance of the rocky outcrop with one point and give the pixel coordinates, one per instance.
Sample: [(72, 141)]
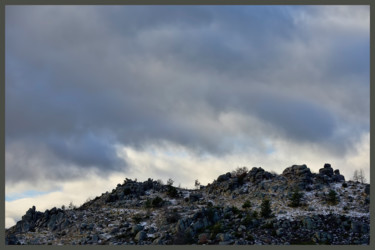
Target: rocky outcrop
[(298, 176), (28, 221), (224, 177), (257, 175), (327, 175)]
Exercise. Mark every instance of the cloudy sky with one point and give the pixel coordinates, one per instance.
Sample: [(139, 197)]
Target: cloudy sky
[(95, 94)]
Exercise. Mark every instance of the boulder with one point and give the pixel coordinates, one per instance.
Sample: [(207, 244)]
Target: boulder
[(195, 197), (256, 175), (137, 228), (224, 177), (141, 236), (203, 238), (299, 175), (223, 237), (337, 177), (28, 221), (326, 170)]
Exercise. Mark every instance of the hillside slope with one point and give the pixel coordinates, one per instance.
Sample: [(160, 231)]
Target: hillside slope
[(305, 208)]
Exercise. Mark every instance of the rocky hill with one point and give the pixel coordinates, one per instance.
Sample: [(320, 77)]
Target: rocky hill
[(242, 207)]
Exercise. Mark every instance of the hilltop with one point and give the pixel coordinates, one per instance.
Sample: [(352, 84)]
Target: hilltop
[(239, 207)]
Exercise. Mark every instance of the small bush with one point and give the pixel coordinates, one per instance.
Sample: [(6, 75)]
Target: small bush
[(268, 225), (217, 228), (332, 198), (154, 203), (157, 202), (295, 200), (211, 213), (183, 238), (173, 217), (249, 237), (266, 211), (248, 220), (137, 218), (241, 178), (148, 203), (172, 192), (246, 204), (170, 182), (239, 171), (235, 210)]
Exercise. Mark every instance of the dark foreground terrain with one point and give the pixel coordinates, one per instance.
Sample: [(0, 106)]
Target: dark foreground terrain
[(242, 207)]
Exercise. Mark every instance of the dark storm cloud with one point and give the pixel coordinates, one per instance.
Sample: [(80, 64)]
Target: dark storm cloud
[(299, 120), (80, 80)]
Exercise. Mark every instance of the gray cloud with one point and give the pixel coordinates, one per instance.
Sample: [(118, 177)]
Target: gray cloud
[(80, 80)]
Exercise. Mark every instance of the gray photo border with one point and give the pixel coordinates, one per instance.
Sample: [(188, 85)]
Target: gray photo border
[(4, 3)]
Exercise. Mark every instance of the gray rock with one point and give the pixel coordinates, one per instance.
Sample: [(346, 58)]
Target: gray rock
[(308, 223), (226, 237), (323, 237), (198, 225), (299, 175), (203, 238), (357, 226), (141, 236), (95, 238), (280, 232), (224, 177), (181, 225), (52, 222), (195, 197), (135, 229), (326, 170)]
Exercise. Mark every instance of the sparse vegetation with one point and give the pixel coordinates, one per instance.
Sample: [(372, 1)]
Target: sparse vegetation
[(137, 218), (170, 182), (172, 192), (197, 184), (216, 228), (172, 216), (248, 220), (266, 211), (246, 204), (240, 173), (332, 198), (295, 199), (235, 210), (154, 203), (359, 176), (71, 206)]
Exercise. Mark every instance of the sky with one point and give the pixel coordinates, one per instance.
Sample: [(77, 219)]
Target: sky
[(97, 94)]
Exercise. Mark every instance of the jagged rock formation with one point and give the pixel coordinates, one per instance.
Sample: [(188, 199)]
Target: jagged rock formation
[(227, 211)]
